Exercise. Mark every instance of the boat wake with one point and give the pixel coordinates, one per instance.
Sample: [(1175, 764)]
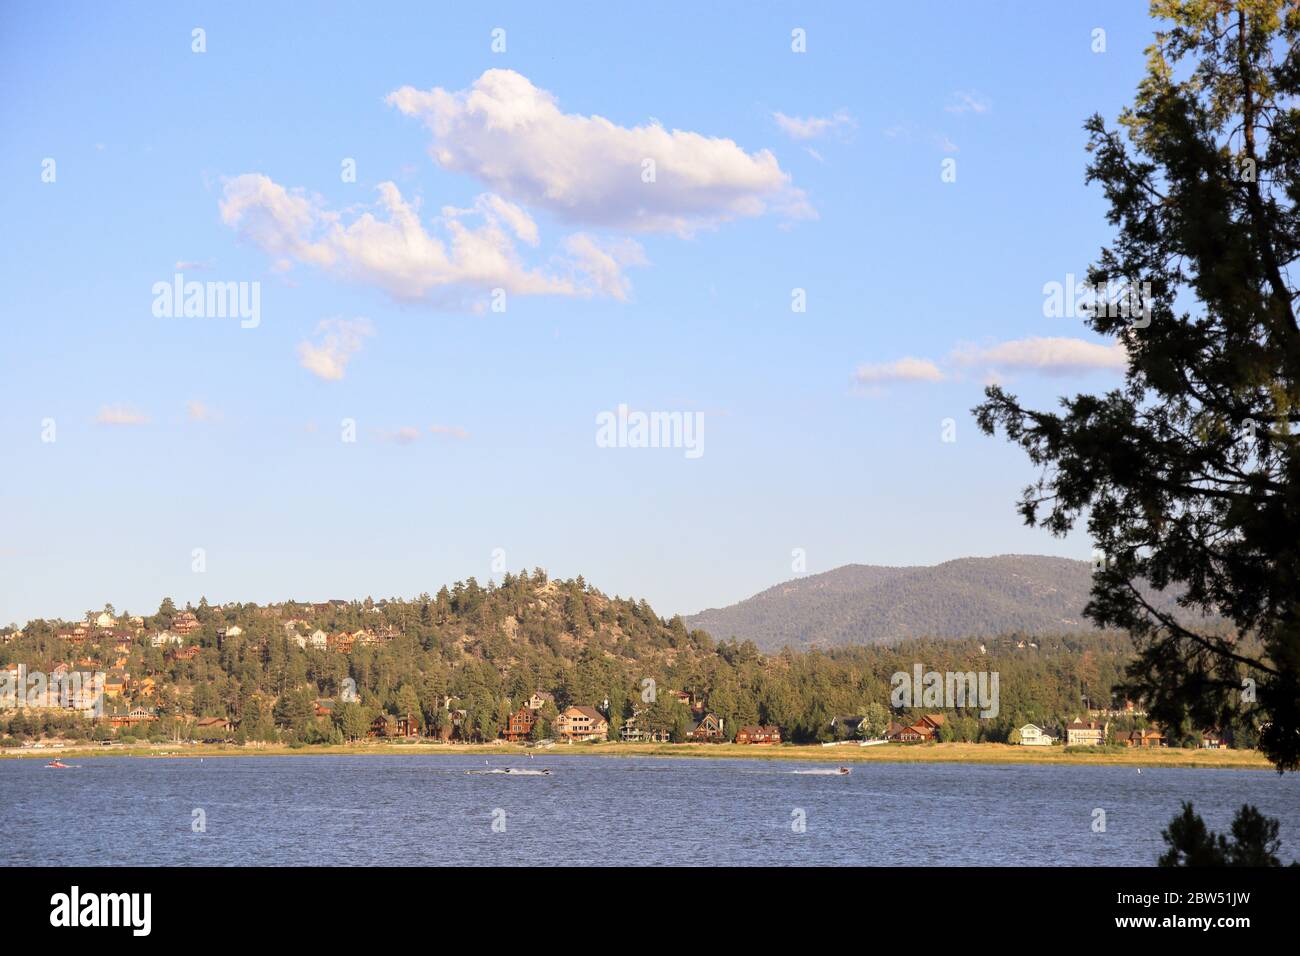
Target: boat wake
[(825, 772), (512, 772)]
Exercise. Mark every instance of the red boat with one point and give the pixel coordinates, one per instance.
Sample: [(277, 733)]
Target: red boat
[(56, 765)]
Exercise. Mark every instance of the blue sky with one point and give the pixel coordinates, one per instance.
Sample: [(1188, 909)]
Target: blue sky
[(475, 429)]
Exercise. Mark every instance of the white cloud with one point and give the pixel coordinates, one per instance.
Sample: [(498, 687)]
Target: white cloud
[(339, 340), (969, 101), (396, 253), (813, 127), (1049, 355), (902, 370), (450, 430), (120, 415), (512, 136), (603, 263)]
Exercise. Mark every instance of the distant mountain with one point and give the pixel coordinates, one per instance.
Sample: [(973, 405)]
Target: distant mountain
[(869, 604)]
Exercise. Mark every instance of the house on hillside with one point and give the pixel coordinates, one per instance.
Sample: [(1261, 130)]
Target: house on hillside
[(163, 638), (581, 723), (540, 699)]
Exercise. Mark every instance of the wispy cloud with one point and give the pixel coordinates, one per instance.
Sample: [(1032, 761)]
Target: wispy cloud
[(814, 127), (449, 430), (1048, 355), (901, 370), (511, 135), (338, 340), (120, 415), (197, 411), (969, 101)]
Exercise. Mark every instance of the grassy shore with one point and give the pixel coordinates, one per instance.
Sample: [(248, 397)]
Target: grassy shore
[(887, 753)]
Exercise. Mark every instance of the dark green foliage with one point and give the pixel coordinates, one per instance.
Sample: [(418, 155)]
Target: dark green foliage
[(1189, 475), (1254, 841)]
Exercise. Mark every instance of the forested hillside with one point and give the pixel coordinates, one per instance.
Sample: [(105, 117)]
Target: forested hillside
[(478, 652), (866, 604)]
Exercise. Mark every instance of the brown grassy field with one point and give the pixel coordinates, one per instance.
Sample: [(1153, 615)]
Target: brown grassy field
[(896, 753)]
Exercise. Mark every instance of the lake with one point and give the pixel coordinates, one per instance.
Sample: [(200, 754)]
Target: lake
[(427, 811)]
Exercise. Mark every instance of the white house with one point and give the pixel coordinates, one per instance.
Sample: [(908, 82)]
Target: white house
[(1031, 735), (319, 640), (165, 637)]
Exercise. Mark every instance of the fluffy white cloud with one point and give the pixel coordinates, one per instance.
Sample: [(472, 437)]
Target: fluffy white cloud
[(812, 127), (397, 254), (512, 136), (1050, 355), (338, 340), (902, 370), (120, 415)]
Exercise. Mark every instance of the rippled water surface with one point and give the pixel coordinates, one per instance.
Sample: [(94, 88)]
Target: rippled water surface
[(426, 810)]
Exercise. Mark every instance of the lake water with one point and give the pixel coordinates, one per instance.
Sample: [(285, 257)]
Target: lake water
[(426, 810)]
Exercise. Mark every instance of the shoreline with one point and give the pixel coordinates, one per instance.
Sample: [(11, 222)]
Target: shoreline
[(1005, 754)]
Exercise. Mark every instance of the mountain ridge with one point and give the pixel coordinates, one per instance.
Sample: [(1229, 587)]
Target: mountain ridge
[(877, 604)]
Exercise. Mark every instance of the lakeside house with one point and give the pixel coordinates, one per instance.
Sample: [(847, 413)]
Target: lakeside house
[(387, 725), (633, 732), (848, 726), (759, 734), (1151, 737), (1085, 733), (214, 725), (581, 723), (519, 725), (709, 730), (136, 715), (1031, 735), (924, 729)]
